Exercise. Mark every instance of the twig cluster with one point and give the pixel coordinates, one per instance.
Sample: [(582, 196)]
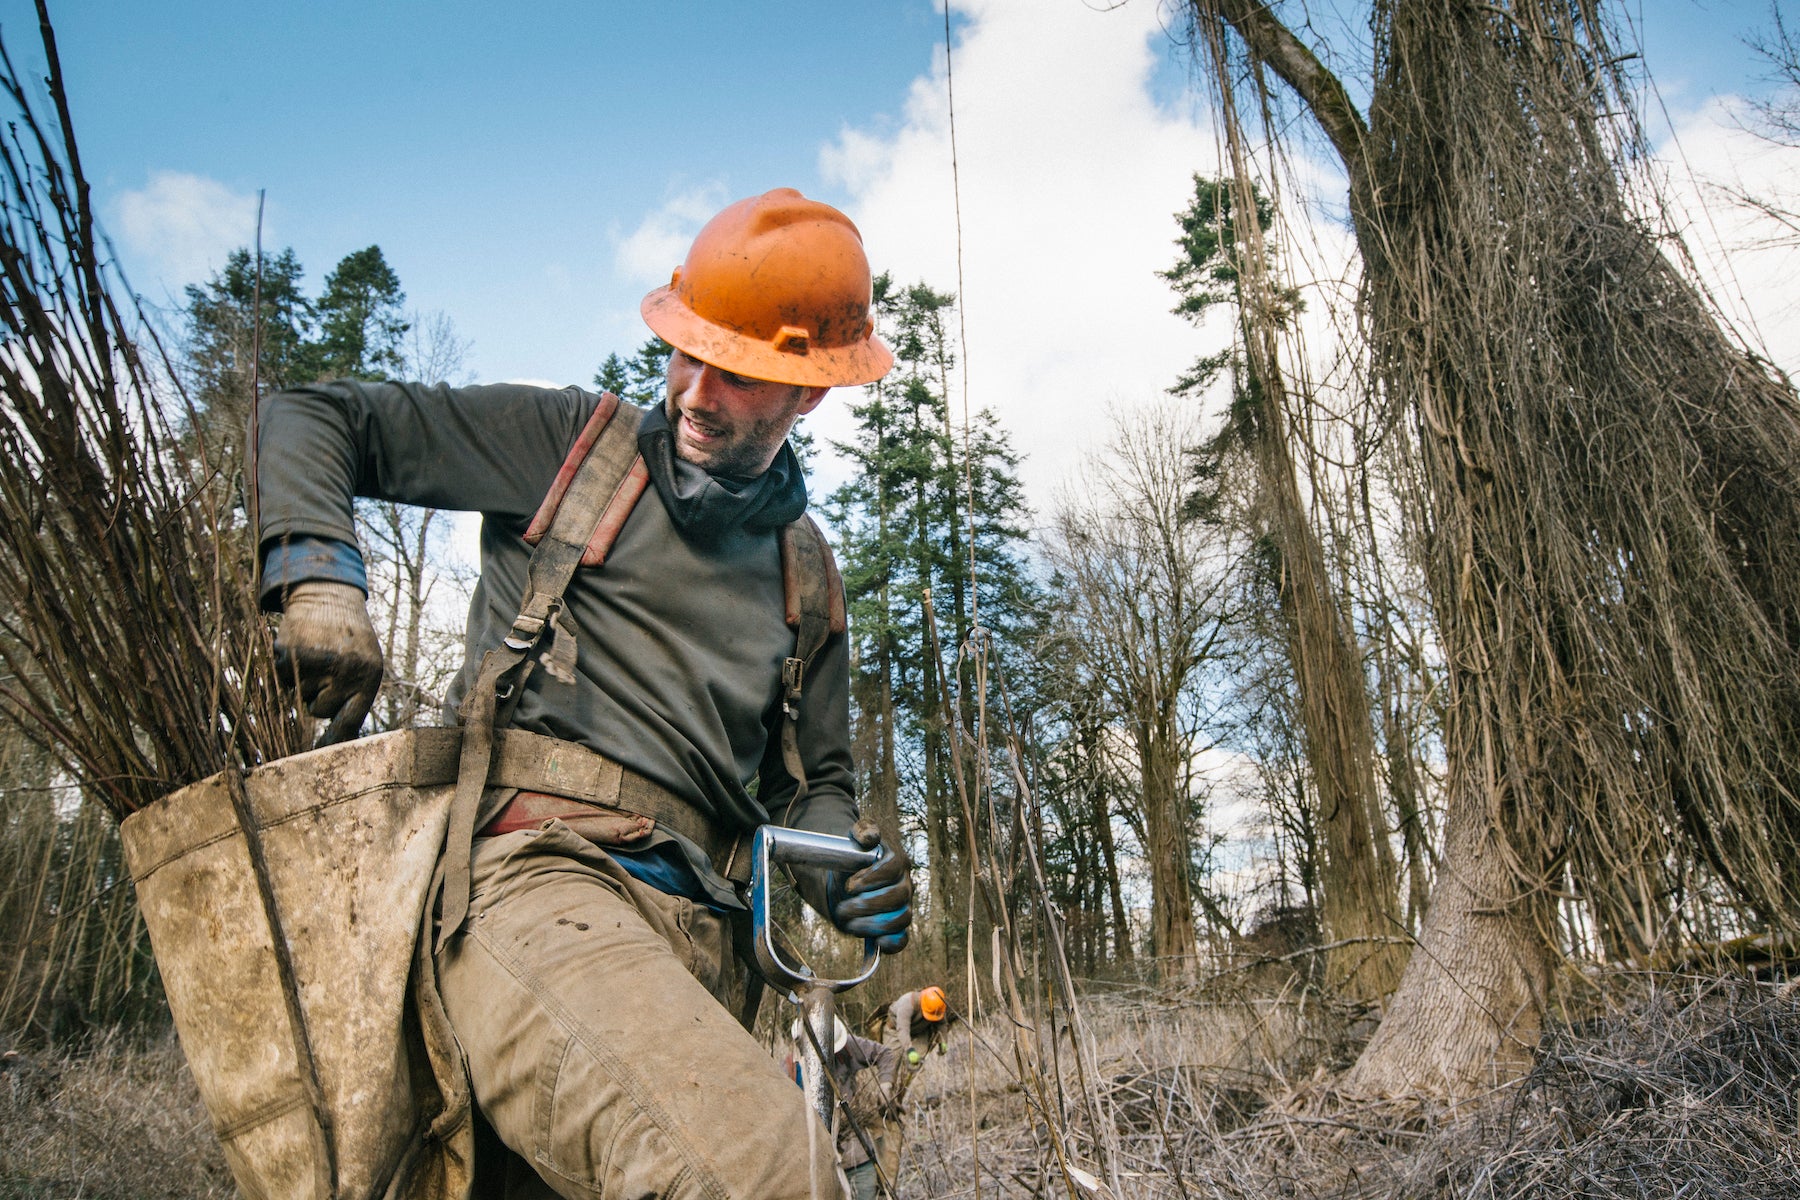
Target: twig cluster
[(132, 647)]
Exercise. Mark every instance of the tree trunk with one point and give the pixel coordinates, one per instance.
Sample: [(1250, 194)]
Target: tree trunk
[(1172, 929), (881, 799), (1109, 863), (1358, 882), (1467, 1010), (1358, 886), (1472, 986)]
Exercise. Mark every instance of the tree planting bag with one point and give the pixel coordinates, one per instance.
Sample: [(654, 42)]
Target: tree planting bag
[(305, 1000)]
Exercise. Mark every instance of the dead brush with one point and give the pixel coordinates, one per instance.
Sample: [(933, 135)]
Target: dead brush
[(1685, 1086), (117, 1122), (1178, 1073)]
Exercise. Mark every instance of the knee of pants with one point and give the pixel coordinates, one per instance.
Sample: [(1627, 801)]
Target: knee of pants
[(600, 1128)]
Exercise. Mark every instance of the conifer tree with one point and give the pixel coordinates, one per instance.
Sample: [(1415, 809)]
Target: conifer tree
[(904, 530), (638, 379), (222, 319), (361, 320)]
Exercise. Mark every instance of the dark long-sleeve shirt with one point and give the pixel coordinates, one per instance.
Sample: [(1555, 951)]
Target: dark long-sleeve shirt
[(680, 641)]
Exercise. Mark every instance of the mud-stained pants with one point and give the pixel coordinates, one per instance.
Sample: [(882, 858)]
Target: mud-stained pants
[(592, 1011)]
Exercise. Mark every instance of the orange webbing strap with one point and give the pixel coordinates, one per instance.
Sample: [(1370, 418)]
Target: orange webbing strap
[(814, 595), (592, 494)]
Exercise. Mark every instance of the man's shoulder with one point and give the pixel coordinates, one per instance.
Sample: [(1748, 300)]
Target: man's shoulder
[(532, 391)]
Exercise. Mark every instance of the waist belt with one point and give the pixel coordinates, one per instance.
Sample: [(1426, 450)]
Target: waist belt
[(561, 779)]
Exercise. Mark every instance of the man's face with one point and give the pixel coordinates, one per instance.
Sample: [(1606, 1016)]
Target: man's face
[(729, 424)]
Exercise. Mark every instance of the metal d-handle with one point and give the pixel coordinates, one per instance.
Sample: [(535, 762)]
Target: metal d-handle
[(775, 846)]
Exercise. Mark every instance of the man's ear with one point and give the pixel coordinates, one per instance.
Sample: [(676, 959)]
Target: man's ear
[(813, 396)]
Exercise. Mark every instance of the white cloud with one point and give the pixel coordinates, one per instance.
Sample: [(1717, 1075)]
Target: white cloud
[(1070, 178), (648, 253), (178, 228), (1747, 260)]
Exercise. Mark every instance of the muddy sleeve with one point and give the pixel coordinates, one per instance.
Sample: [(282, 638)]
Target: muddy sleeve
[(492, 449)]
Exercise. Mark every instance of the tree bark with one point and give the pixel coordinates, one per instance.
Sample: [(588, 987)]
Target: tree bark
[(1173, 936), (1467, 1010), (1471, 987)]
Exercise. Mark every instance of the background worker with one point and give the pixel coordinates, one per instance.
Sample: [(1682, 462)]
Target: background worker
[(915, 1023), (866, 1073), (591, 982), (918, 1020)]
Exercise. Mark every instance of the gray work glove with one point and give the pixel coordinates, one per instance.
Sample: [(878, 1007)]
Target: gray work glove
[(327, 646), (875, 902)]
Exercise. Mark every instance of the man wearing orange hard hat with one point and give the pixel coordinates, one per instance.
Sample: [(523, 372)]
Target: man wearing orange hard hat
[(915, 1023), (658, 566), (919, 1020)]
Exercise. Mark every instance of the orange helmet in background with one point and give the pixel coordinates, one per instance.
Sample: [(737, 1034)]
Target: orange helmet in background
[(776, 287), (932, 1005)]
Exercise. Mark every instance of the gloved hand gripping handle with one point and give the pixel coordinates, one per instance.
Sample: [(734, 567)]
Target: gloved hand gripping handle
[(778, 846)]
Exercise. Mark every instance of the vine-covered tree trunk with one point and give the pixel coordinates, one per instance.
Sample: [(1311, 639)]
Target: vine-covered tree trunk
[(1612, 494), (1359, 888), (1229, 260)]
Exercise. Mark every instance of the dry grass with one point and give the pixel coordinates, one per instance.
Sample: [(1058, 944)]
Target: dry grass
[(1689, 1087), (1686, 1089), (116, 1122)]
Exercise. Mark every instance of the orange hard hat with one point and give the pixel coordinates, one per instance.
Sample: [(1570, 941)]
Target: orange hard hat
[(932, 1005), (775, 287)]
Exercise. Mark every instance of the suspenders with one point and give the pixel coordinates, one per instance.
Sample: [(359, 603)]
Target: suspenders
[(598, 485)]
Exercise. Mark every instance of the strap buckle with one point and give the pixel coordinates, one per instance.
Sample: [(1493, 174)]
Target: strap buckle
[(524, 634), (528, 626), (793, 670)]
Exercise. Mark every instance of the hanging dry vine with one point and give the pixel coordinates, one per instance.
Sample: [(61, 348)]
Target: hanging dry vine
[(1611, 492), (1614, 483)]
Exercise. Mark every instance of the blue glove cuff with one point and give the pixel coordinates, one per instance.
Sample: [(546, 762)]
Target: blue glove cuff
[(304, 559)]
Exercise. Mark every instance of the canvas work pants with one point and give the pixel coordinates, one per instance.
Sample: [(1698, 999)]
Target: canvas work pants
[(592, 1011)]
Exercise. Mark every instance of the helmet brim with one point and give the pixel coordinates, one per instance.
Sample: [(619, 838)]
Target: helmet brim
[(821, 366)]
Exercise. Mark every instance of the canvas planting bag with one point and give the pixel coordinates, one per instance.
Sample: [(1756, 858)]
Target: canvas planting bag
[(349, 1083)]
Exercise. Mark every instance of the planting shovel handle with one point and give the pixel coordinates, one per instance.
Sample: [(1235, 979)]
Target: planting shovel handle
[(776, 846)]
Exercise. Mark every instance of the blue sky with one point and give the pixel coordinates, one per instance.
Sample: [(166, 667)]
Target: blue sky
[(531, 169), (495, 152)]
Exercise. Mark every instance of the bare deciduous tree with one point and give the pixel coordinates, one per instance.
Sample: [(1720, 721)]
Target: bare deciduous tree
[(416, 599), (1144, 590)]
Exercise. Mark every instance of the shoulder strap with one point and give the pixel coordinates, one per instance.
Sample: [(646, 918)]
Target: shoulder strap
[(599, 483), (605, 461), (814, 595)]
